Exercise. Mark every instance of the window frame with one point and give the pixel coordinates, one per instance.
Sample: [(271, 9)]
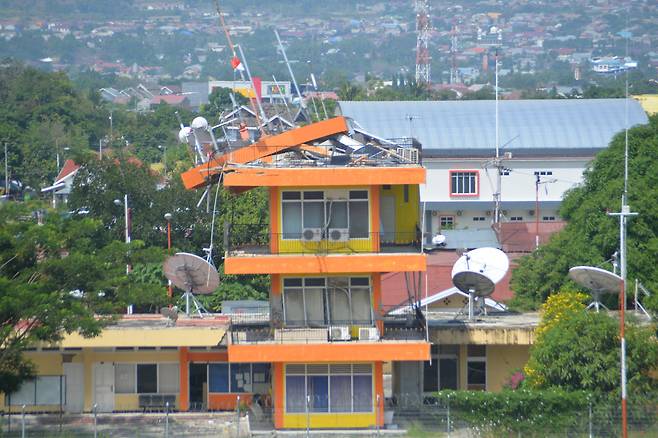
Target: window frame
[(350, 284), (329, 374), (452, 222), (229, 376), (325, 203), (157, 371), (477, 359), (476, 172)]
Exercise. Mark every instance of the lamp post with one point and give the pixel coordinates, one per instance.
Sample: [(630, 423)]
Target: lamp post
[(167, 217), (164, 160), (127, 212)]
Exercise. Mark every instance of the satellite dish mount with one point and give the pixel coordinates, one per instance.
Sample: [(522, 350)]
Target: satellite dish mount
[(192, 274)]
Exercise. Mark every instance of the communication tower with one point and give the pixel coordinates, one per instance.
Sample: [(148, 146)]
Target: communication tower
[(423, 28)]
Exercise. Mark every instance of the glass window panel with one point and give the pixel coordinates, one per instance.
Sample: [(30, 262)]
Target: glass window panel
[(218, 377), (25, 394), (169, 378), (359, 219), (261, 372), (292, 220), (292, 282), (314, 195), (240, 376), (295, 394), (124, 378), (337, 214), (294, 306), (49, 390), (318, 390), (341, 394), (360, 194), (448, 373), (360, 281), (431, 376), (314, 215), (361, 305), (339, 306), (362, 393), (477, 375), (315, 306), (147, 378), (291, 195), (314, 282)]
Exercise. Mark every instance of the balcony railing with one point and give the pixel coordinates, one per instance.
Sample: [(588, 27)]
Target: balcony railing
[(338, 333), (247, 239)]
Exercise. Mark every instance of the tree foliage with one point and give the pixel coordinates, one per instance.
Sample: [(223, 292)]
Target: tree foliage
[(591, 236), (577, 350)]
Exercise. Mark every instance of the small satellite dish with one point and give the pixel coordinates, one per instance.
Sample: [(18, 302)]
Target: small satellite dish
[(478, 271), (192, 274), (184, 133), (199, 123), (598, 281)]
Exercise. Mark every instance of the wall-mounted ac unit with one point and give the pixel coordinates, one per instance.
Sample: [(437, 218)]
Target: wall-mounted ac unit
[(339, 333), (368, 334), (409, 154), (531, 212), (312, 234), (339, 234)]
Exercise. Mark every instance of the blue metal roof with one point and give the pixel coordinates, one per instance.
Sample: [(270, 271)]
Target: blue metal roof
[(448, 127)]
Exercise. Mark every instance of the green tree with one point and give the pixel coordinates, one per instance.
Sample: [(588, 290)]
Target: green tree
[(579, 350), (220, 101), (591, 236)]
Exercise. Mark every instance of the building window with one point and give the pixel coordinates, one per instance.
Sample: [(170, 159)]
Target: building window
[(316, 209), (162, 378), (505, 171), (443, 371), (548, 218), (464, 183), (446, 222), (329, 388), (476, 364), (238, 378), (516, 218), (319, 301), (479, 219), (543, 172), (42, 390)]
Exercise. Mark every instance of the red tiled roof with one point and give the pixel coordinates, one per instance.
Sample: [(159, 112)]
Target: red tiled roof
[(170, 99), (69, 168)]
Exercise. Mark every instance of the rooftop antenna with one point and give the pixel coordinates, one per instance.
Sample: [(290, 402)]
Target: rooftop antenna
[(497, 161), (192, 274), (315, 87), (235, 62), (623, 215), (292, 75), (285, 101), (476, 273)]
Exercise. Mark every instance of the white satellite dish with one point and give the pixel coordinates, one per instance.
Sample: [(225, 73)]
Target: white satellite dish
[(598, 281), (477, 272), (192, 274)]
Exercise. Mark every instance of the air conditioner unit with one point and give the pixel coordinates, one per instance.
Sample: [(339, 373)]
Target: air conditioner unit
[(368, 334), (531, 212), (339, 333), (409, 154), (339, 234), (312, 234)]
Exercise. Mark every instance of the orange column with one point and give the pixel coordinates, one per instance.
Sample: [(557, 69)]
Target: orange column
[(277, 394), (377, 300), (379, 392), (374, 215), (274, 220), (183, 396)]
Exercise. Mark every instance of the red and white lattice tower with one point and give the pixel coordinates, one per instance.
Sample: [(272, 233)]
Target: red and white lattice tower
[(423, 28)]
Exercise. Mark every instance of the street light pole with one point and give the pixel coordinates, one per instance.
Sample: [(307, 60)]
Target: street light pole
[(127, 213), (167, 217)]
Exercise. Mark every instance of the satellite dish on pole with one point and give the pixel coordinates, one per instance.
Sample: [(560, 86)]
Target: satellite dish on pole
[(192, 274), (477, 272), (598, 281)]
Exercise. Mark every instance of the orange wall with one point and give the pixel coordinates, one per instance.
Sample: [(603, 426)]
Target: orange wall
[(274, 220), (277, 388)]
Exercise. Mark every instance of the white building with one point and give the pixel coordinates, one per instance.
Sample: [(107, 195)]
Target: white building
[(550, 139)]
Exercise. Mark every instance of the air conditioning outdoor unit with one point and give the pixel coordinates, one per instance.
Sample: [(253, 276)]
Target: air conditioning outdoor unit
[(339, 333), (531, 212), (368, 334), (409, 154), (312, 234), (339, 234)]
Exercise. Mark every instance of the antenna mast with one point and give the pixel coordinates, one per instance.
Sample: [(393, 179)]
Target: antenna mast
[(498, 164), (302, 105), (423, 28)]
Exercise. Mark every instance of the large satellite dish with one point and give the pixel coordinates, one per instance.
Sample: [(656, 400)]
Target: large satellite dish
[(478, 271), (597, 280), (192, 274)]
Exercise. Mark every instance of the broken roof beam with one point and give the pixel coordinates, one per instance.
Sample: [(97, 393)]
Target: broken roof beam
[(199, 176)]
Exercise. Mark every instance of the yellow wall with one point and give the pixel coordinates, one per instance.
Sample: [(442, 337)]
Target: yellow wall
[(502, 360), (406, 213), (329, 420), (649, 102), (47, 364)]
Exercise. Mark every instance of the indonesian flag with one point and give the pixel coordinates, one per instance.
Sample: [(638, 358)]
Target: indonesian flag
[(237, 64)]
